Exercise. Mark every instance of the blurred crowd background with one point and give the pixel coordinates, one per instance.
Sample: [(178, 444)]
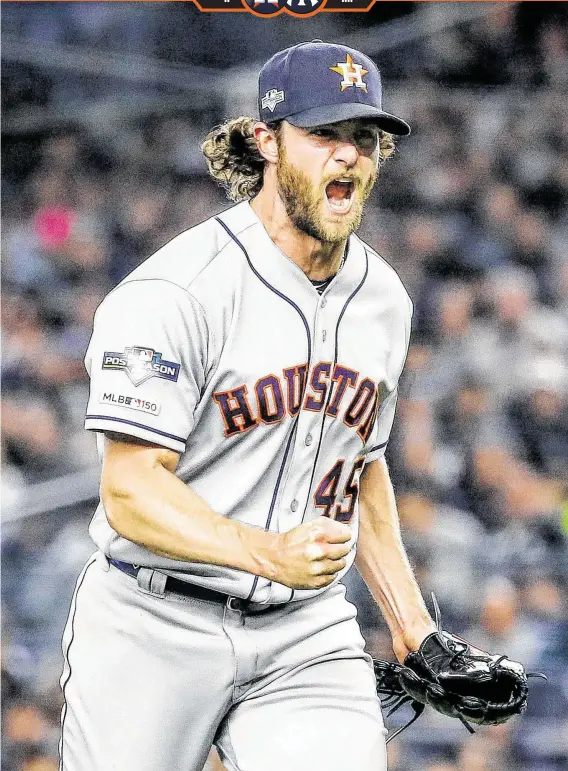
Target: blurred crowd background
[(104, 106)]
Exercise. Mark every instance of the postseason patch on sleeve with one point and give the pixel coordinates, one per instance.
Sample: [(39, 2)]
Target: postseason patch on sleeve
[(130, 402), (140, 364)]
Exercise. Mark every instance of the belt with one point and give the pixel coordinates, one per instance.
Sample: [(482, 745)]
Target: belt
[(176, 586)]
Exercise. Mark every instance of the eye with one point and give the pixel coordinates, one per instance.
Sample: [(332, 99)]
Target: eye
[(325, 132), (366, 138)]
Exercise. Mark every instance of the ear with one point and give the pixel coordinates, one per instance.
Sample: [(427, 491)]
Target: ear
[(266, 142)]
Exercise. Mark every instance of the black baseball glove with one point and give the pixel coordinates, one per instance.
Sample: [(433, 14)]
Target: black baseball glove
[(456, 679)]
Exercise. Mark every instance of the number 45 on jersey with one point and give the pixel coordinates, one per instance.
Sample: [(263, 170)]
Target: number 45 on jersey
[(325, 496)]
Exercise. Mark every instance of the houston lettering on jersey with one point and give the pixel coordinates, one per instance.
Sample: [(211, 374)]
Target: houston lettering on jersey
[(275, 398)]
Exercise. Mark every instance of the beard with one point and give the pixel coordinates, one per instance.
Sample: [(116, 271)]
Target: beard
[(304, 202)]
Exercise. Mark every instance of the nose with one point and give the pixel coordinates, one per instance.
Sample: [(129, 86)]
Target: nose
[(346, 153)]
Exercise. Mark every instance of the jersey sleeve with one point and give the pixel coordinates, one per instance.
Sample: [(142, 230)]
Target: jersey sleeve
[(385, 419), (385, 416), (147, 362)]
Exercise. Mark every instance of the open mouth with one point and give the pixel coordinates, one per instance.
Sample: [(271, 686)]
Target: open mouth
[(340, 196)]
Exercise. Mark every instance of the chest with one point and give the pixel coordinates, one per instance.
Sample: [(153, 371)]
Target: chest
[(330, 354)]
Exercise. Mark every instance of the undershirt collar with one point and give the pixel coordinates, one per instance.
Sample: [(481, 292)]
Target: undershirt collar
[(322, 284)]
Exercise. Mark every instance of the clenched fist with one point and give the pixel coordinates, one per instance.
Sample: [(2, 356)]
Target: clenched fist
[(309, 556)]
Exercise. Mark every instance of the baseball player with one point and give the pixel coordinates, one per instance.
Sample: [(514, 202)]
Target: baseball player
[(243, 386)]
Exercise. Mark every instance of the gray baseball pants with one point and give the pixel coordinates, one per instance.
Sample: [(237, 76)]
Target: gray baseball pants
[(152, 682)]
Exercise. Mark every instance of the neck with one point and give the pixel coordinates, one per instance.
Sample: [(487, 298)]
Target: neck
[(318, 259)]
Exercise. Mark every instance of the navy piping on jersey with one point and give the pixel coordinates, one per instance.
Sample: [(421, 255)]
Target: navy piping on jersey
[(137, 425), (309, 336), (328, 400), (275, 493), (76, 595), (378, 447)]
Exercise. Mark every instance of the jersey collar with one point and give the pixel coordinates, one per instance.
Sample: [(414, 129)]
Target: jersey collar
[(282, 272)]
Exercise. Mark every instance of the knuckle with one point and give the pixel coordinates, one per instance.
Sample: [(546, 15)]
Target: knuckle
[(316, 534), (314, 552)]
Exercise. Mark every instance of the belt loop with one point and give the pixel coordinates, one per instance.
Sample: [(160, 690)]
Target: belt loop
[(152, 582), (235, 603)]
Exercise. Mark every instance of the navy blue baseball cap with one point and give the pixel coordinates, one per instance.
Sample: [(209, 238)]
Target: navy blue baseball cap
[(311, 84)]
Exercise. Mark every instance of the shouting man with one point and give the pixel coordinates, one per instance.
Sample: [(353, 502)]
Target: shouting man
[(243, 387)]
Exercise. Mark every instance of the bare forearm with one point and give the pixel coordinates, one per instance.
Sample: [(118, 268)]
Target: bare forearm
[(146, 502), (382, 559), (157, 510)]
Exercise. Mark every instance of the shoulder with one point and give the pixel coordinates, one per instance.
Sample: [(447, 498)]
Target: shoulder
[(383, 279), (181, 274), (183, 259), (189, 279)]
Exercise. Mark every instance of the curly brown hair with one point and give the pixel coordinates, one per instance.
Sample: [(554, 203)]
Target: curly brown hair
[(234, 161)]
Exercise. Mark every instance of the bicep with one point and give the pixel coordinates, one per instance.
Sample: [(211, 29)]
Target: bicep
[(374, 475), (125, 458), (376, 486)]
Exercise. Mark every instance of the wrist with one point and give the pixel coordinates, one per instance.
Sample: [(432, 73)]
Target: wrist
[(409, 639), (261, 547), (414, 634)]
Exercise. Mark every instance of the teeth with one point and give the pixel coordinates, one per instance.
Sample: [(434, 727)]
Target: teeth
[(340, 206)]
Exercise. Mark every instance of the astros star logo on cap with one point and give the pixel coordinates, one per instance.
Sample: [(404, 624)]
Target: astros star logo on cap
[(353, 74)]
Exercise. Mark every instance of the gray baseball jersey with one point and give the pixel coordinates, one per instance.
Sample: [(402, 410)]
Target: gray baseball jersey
[(221, 349)]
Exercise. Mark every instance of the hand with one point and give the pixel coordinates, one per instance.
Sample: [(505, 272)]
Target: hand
[(411, 639), (310, 555)]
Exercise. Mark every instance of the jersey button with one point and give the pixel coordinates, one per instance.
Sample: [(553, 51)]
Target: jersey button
[(323, 302), (294, 505), (309, 439)]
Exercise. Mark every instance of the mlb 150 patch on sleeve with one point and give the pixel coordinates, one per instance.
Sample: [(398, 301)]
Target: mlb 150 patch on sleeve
[(140, 364), (131, 402)]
